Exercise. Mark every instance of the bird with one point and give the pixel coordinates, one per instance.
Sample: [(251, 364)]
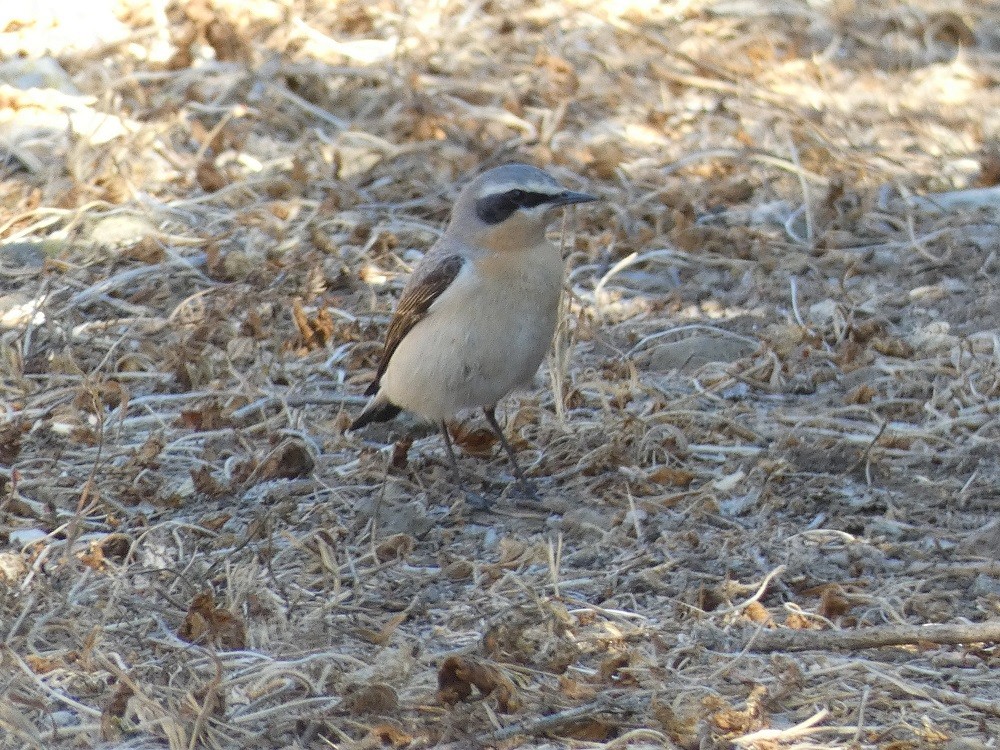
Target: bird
[(479, 311)]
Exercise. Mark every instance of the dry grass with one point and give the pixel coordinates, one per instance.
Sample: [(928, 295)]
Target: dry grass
[(777, 390)]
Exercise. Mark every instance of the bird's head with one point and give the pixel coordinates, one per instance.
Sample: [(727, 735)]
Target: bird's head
[(509, 207)]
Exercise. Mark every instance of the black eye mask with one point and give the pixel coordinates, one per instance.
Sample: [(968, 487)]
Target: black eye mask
[(494, 209)]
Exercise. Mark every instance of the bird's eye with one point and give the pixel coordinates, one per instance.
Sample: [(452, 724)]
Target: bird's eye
[(517, 195)]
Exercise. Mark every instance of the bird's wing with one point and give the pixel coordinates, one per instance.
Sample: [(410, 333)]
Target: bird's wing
[(418, 296)]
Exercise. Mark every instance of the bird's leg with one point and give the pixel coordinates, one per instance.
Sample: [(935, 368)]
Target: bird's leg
[(475, 500), (455, 473), (526, 487)]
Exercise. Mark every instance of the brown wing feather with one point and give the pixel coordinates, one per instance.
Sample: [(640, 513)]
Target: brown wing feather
[(417, 298)]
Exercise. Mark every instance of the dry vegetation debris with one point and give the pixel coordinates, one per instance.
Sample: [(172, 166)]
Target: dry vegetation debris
[(766, 440)]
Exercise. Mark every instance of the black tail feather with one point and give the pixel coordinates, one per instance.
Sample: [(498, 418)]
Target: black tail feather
[(375, 412)]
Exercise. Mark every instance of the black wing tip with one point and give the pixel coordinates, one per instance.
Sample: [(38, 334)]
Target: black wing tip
[(376, 413)]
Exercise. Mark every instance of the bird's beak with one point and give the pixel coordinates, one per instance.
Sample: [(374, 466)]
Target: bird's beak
[(568, 197)]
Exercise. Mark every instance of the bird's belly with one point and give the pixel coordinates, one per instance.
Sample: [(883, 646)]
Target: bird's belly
[(470, 356)]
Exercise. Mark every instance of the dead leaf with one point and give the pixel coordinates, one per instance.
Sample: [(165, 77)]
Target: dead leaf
[(207, 417), (144, 457), (228, 43), (681, 728), (370, 698), (400, 451), (795, 621), (44, 664), (216, 522), (290, 460), (739, 721), (112, 548), (576, 690), (458, 675), (670, 476), (892, 347), (208, 176), (833, 603), (206, 484), (10, 442), (590, 730), (314, 332), (513, 552), (113, 713), (458, 570), (610, 666), (862, 394), (395, 547), (381, 736), (475, 442), (757, 613), (381, 636), (605, 158), (94, 397), (207, 624)]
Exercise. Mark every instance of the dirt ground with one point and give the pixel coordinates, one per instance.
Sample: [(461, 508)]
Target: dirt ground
[(766, 442)]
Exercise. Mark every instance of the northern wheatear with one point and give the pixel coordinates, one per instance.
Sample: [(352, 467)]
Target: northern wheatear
[(478, 314)]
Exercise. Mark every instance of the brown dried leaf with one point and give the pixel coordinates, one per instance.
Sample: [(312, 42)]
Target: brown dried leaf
[(229, 45), (989, 168), (114, 712), (208, 176), (207, 417), (669, 476), (400, 451), (10, 442), (458, 675), (148, 250), (850, 355), (611, 667), (216, 522), (382, 736), (290, 460), (862, 394), (576, 690), (206, 484), (206, 623), (475, 442), (112, 548), (315, 332), (795, 621), (757, 613), (557, 77), (370, 698), (84, 436), (833, 603), (144, 457), (739, 721), (682, 729), (604, 159), (864, 331), (513, 552), (395, 547), (44, 664), (891, 346), (458, 570), (590, 730), (381, 636)]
